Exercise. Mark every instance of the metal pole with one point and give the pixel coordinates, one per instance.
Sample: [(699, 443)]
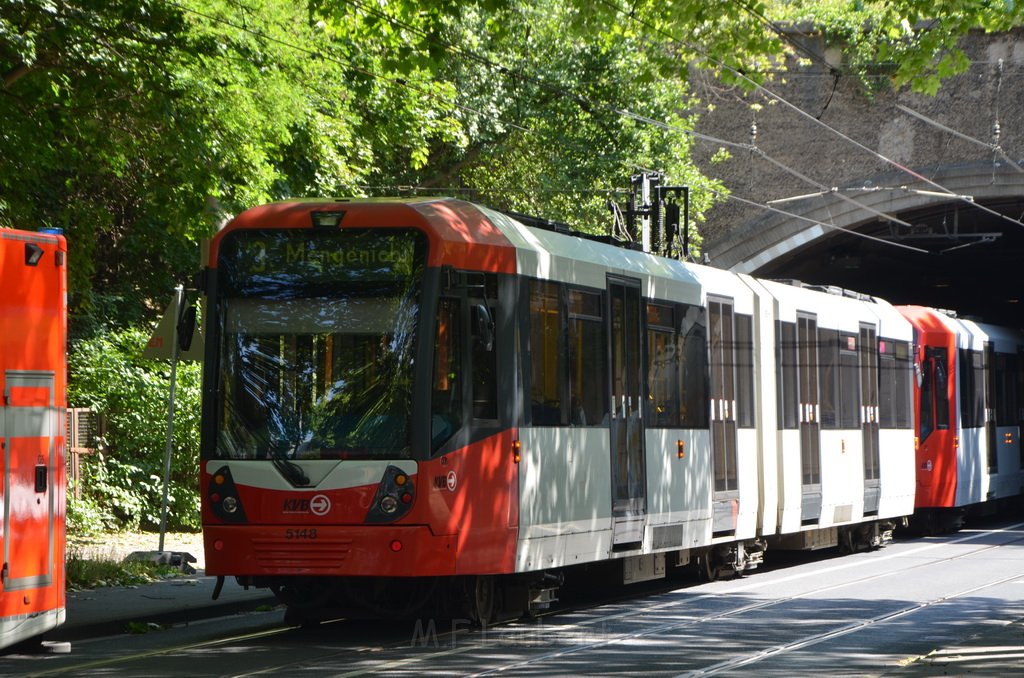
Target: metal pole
[(179, 294)]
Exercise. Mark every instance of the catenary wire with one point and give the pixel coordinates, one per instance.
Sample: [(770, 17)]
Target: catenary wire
[(807, 115)]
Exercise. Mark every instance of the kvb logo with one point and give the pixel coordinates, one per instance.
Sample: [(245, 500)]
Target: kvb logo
[(319, 505)]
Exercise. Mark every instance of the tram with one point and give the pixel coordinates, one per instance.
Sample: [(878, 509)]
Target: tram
[(423, 400)]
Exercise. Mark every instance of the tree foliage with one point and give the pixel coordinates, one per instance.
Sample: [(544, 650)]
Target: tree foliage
[(122, 484), (909, 43), (137, 126)]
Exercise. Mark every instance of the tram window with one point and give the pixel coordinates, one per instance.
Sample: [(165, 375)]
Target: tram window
[(545, 354), (972, 383), (677, 366), (663, 367), (849, 382), (1020, 393), (902, 393), (693, 333), (446, 398), (939, 366), (483, 347), (887, 376), (785, 338), (485, 378), (588, 396), (744, 355), (828, 356), (894, 384), (1007, 395), (927, 412)]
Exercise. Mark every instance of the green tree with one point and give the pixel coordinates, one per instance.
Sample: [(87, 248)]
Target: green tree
[(136, 125), (910, 43), (122, 484)]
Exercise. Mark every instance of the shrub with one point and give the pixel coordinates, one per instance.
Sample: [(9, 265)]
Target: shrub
[(122, 485), (83, 573)]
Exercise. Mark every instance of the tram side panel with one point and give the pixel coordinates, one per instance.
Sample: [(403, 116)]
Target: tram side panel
[(679, 459), (988, 397), (936, 413), (32, 377), (735, 444), (615, 448), (565, 500), (1006, 374), (896, 458), (974, 468), (766, 387), (886, 412), (842, 456)]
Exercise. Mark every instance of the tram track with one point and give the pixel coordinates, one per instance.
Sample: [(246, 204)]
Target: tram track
[(468, 643), (762, 605), (853, 627), (583, 636)]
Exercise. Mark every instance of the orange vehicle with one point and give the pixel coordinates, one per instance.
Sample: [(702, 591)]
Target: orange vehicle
[(33, 333)]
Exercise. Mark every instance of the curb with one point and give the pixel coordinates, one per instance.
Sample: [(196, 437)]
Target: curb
[(177, 617)]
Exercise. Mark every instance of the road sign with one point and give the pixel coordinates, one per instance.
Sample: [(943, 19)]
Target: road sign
[(161, 343)]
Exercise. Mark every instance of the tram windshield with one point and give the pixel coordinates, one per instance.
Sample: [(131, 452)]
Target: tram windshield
[(317, 336)]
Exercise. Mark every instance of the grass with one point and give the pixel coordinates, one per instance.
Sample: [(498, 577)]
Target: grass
[(84, 574)]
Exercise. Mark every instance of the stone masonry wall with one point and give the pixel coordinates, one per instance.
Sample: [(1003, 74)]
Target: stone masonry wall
[(968, 104)]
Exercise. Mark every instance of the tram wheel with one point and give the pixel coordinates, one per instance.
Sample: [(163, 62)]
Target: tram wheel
[(707, 569), (481, 595)]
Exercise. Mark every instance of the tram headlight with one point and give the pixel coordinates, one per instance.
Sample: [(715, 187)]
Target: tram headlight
[(388, 504), (394, 497), (223, 499)]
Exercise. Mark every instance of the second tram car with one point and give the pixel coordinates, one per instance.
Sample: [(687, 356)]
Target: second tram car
[(969, 416), (410, 399)]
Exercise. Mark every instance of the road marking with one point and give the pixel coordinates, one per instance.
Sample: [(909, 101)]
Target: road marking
[(155, 653)]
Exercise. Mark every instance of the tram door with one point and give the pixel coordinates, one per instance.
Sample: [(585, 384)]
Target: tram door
[(626, 428), (869, 416), (988, 365), (722, 345), (810, 411), (30, 429)]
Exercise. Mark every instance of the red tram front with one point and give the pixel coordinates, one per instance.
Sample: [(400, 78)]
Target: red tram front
[(352, 423)]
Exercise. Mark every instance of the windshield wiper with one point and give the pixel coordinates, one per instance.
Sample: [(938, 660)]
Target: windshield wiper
[(292, 472)]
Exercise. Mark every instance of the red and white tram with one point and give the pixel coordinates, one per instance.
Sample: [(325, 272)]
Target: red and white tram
[(968, 415), (409, 398)]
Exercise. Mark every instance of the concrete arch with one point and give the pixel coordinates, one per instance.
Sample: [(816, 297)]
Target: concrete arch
[(754, 246), (956, 256)]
